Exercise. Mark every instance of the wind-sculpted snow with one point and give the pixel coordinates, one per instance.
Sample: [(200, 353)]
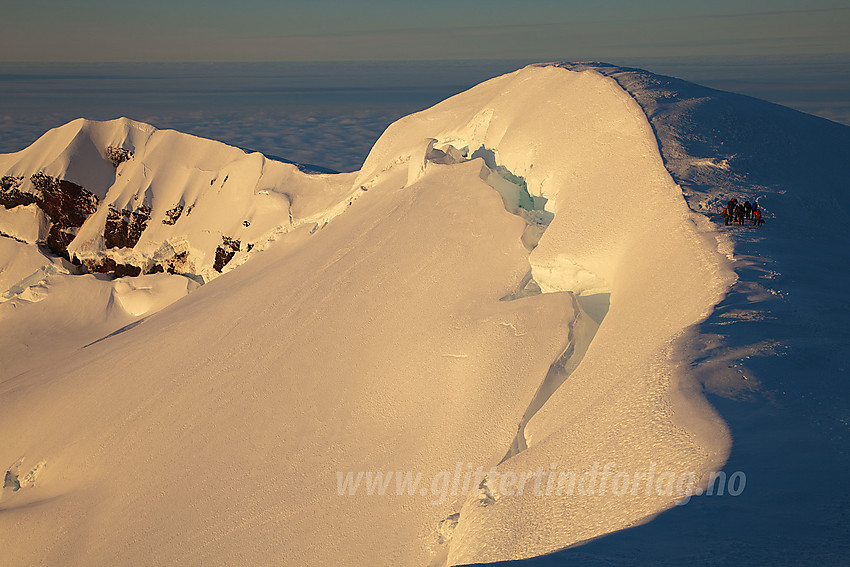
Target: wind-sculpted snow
[(513, 282), (621, 227)]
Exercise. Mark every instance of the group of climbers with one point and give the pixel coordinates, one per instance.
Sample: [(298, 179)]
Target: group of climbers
[(736, 213)]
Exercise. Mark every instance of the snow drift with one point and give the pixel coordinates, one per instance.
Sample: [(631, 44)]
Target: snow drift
[(512, 282)]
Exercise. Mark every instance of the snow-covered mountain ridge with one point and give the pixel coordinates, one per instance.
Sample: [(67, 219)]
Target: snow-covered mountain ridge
[(528, 270), (120, 197)]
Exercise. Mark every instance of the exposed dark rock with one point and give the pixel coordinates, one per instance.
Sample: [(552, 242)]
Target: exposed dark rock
[(10, 182), (124, 228), (122, 270), (64, 202), (174, 265), (106, 265), (10, 194), (67, 205), (58, 241), (118, 155), (225, 252), (171, 215)]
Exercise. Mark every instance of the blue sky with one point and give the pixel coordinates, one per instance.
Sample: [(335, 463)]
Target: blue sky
[(328, 30)]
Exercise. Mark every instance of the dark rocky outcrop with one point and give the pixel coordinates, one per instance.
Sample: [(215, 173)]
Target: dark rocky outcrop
[(118, 155), (171, 215), (9, 182), (225, 252), (177, 264), (67, 205), (124, 228), (174, 265), (107, 265), (10, 194)]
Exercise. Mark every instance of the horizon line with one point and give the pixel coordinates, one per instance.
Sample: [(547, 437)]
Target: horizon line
[(843, 57)]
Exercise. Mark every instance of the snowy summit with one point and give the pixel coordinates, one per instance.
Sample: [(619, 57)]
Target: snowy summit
[(521, 326)]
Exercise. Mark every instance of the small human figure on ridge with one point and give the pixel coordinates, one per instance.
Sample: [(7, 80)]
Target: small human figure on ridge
[(739, 214), (729, 211)]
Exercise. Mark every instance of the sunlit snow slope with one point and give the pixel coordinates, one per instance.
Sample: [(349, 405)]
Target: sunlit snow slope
[(512, 281)]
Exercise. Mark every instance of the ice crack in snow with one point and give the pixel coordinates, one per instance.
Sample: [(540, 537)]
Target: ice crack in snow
[(518, 201)]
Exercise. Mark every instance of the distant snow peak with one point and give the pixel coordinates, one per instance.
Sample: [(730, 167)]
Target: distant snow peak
[(123, 198)]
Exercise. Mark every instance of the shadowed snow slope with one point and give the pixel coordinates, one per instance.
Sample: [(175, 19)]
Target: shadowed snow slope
[(414, 332)]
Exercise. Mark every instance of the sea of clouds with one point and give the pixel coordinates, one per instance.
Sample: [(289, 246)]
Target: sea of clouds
[(330, 114)]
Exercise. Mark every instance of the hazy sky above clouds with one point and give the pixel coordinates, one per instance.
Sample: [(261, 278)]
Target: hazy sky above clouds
[(328, 30)]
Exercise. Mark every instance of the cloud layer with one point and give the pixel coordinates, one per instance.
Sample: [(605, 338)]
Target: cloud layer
[(330, 114)]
